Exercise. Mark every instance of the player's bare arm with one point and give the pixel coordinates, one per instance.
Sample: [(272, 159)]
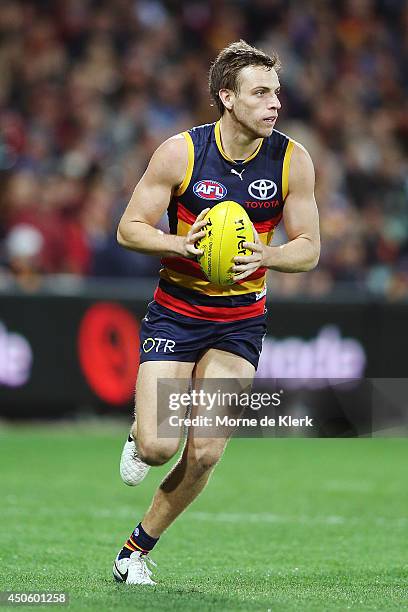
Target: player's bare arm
[(301, 220), (137, 228)]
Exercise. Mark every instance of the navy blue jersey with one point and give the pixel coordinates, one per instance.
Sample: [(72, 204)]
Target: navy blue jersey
[(259, 184)]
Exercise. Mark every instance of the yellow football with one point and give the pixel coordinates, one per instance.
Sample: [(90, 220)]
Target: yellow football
[(228, 227)]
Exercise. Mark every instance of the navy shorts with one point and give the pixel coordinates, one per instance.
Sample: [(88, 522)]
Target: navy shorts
[(166, 335)]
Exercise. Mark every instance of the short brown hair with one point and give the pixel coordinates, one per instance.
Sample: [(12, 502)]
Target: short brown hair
[(224, 72)]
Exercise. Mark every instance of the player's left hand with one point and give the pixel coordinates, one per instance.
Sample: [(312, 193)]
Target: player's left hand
[(247, 264)]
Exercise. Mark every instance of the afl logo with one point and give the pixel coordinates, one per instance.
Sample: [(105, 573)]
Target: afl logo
[(262, 189), (210, 190)]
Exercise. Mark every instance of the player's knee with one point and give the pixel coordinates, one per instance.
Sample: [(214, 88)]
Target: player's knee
[(155, 452)]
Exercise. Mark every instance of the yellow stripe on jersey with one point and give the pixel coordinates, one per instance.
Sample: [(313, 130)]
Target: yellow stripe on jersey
[(217, 132), (285, 169), (204, 286), (190, 165), (182, 228), (254, 153)]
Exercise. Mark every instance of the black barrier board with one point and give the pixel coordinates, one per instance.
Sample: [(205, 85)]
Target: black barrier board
[(62, 355)]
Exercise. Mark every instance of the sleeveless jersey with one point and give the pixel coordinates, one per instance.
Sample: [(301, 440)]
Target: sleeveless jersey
[(260, 185)]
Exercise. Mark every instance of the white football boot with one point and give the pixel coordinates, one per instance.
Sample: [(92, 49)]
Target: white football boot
[(132, 469), (133, 569)]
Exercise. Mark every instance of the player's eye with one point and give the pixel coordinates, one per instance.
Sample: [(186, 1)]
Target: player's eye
[(260, 93), (277, 92)]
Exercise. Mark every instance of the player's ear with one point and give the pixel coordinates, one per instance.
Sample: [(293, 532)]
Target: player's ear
[(227, 98)]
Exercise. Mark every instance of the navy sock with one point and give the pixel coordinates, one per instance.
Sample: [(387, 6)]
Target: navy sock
[(139, 540)]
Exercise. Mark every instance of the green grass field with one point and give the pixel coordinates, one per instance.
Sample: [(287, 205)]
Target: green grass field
[(284, 524)]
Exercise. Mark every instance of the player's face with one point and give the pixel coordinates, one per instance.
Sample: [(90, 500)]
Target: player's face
[(256, 105)]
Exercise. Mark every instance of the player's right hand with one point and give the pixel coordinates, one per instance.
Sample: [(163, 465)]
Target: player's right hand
[(196, 232)]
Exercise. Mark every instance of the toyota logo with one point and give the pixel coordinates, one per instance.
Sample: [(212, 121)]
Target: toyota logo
[(262, 189)]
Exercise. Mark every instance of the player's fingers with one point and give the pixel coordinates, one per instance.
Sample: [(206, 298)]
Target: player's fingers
[(197, 235), (197, 227), (256, 236), (238, 277), (253, 246), (245, 268), (247, 258), (247, 263), (202, 214), (194, 233), (199, 224), (193, 250)]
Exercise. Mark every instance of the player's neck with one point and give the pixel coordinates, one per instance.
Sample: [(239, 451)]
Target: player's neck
[(237, 143)]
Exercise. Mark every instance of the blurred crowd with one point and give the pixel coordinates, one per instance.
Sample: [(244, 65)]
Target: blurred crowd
[(88, 89)]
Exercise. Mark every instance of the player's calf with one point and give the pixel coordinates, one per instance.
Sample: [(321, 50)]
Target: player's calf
[(203, 454)]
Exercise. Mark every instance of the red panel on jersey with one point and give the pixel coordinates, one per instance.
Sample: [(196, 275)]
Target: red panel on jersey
[(184, 214), (207, 312)]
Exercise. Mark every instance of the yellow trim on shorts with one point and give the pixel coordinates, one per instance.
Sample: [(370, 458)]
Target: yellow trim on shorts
[(190, 165), (217, 132), (285, 169)]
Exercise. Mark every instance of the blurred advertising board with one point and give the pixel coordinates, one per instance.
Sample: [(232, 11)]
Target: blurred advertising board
[(62, 355)]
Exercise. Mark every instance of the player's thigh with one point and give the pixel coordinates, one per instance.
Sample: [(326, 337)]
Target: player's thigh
[(218, 374), (149, 376), (215, 363)]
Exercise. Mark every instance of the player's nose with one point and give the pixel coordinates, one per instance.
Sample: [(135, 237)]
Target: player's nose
[(274, 103)]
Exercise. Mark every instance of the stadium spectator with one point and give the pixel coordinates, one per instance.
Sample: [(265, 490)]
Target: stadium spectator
[(87, 91)]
